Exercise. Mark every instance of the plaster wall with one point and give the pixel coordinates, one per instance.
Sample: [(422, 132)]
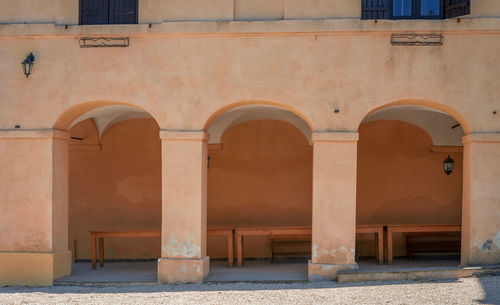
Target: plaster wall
[(33, 189), (298, 9), (47, 11), (156, 11), (204, 74), (482, 206), (183, 73), (258, 9), (485, 8)]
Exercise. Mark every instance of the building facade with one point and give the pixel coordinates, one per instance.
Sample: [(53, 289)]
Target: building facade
[(183, 114)]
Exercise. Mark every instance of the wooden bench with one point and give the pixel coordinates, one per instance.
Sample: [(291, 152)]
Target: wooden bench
[(416, 228), (266, 231), (378, 230), (100, 235), (429, 243), (229, 233), (290, 246)]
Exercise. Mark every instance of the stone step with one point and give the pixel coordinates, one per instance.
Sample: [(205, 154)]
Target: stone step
[(415, 274)]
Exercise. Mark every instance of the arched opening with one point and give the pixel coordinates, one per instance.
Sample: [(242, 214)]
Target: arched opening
[(259, 178), (402, 185), (114, 187)]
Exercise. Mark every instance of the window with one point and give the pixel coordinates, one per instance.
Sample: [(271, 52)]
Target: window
[(414, 9), (108, 11)]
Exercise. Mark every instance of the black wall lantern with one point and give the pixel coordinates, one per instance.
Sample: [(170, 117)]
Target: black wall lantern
[(448, 165), (28, 64)]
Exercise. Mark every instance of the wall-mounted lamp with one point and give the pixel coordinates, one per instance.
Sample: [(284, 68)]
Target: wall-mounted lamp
[(28, 64), (448, 165)]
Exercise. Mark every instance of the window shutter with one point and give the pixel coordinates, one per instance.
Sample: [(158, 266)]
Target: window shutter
[(375, 9), (93, 11), (455, 8), (123, 11)]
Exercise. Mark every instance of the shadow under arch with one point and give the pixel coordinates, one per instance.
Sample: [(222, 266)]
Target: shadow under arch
[(235, 105), (425, 103), (67, 117)]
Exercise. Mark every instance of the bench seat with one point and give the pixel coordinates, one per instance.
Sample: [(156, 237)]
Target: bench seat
[(290, 246), (432, 244)]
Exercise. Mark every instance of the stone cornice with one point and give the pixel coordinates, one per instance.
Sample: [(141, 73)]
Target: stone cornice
[(323, 27)]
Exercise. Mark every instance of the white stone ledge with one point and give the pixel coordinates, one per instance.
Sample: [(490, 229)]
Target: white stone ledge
[(183, 135), (33, 134), (486, 137), (335, 136)]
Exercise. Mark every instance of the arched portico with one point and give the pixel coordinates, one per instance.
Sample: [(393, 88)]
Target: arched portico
[(479, 239), (260, 177), (40, 160), (401, 181)]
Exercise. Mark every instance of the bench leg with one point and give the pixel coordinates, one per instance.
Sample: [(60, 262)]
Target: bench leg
[(93, 251), (272, 251), (74, 251), (239, 249), (101, 252), (408, 249), (230, 250), (389, 246), (356, 250), (380, 246)]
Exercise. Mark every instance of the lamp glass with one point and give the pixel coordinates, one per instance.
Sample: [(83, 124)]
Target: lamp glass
[(448, 164)]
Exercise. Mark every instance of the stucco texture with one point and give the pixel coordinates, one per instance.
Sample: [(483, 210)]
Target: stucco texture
[(330, 72)]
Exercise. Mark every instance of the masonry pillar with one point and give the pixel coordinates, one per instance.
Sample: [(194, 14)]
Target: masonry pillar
[(334, 204), (33, 207), (184, 207), (481, 199)]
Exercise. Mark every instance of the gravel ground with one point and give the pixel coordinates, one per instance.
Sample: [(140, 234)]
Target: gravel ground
[(479, 290)]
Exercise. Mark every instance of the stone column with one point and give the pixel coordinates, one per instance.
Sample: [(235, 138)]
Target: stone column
[(334, 204), (481, 199), (33, 207), (184, 207)]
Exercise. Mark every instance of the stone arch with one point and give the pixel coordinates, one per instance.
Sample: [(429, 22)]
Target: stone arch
[(423, 104), (245, 111), (104, 113)]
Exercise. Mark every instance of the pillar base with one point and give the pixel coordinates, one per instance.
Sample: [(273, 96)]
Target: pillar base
[(326, 272), (33, 269), (182, 270)]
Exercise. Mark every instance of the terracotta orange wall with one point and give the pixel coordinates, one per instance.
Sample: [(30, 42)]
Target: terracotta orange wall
[(261, 177), (401, 181), (117, 187)]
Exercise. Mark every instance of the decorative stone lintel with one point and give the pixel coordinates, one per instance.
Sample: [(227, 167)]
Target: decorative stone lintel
[(327, 272), (215, 146), (183, 135), (34, 134), (335, 136), (447, 149), (490, 137), (183, 270)]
